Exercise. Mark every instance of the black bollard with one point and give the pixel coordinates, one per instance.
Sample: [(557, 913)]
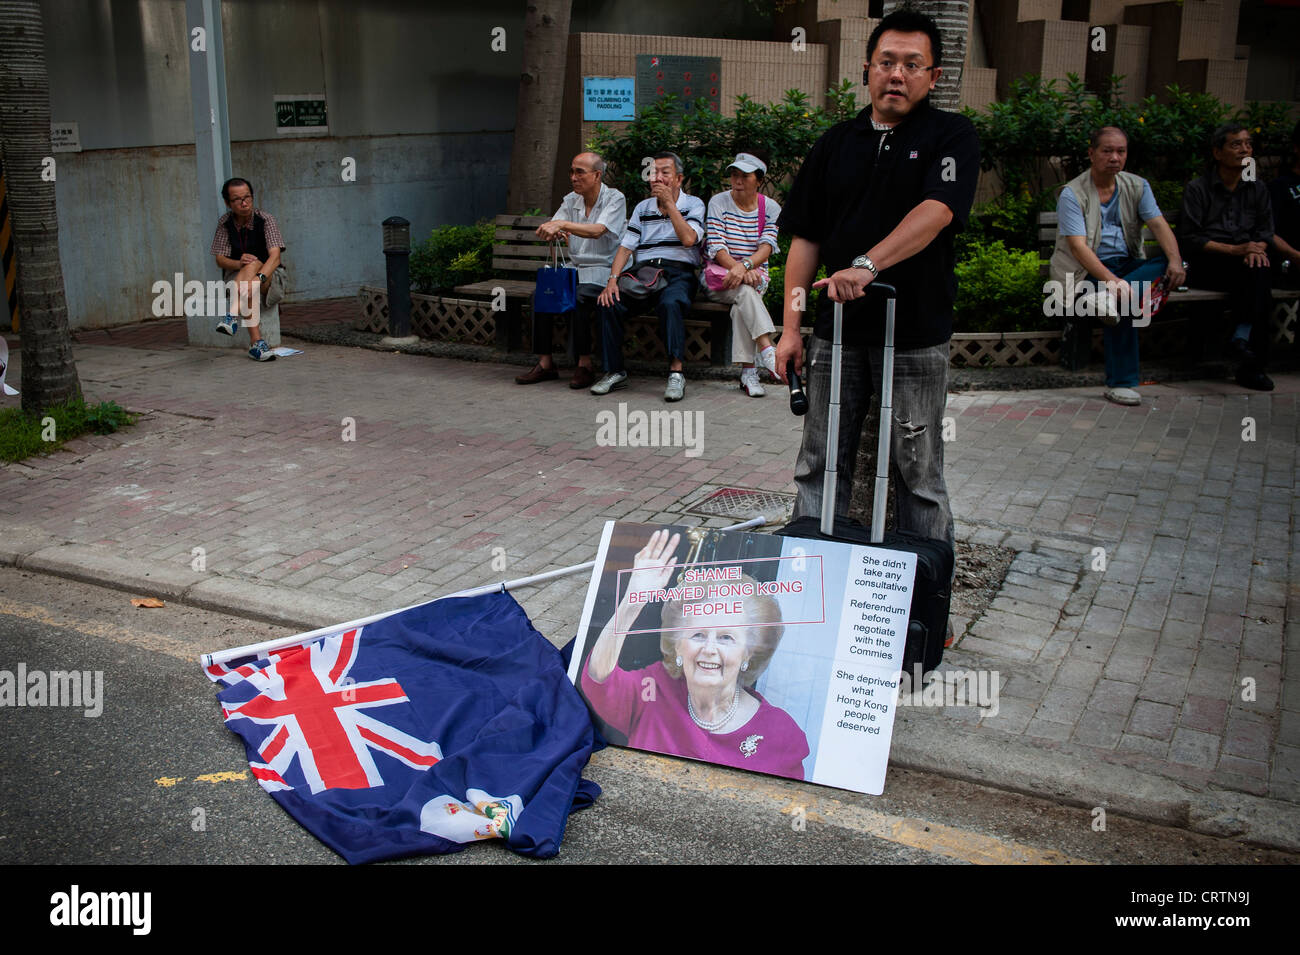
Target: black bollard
[(397, 251)]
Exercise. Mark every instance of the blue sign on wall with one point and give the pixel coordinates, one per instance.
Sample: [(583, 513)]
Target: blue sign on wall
[(608, 98)]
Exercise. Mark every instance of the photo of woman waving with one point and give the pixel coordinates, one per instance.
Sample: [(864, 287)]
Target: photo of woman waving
[(699, 699)]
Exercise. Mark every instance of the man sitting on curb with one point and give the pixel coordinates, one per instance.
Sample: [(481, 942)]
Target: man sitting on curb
[(1227, 226), (665, 232), (590, 220), (1099, 243), (247, 246)]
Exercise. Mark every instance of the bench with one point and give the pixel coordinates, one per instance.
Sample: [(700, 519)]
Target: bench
[(519, 253), (1077, 333)]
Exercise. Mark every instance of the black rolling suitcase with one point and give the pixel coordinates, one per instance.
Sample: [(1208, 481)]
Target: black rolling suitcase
[(927, 626)]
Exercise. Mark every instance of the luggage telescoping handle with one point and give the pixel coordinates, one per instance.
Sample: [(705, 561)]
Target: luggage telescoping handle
[(886, 419)]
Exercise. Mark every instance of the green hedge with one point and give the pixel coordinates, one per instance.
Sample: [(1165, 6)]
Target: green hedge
[(999, 290), (452, 255), (1167, 140)]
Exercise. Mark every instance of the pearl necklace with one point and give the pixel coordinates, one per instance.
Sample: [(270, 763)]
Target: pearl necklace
[(718, 723)]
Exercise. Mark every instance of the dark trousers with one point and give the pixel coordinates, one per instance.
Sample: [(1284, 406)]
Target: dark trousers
[(579, 324), (1249, 291), (671, 303)]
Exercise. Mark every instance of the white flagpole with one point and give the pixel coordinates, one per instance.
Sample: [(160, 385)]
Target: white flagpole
[(257, 650)]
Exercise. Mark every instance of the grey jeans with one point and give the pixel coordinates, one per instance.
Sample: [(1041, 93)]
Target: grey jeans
[(920, 393)]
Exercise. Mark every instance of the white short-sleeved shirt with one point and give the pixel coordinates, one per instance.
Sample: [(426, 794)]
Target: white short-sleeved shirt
[(593, 257)]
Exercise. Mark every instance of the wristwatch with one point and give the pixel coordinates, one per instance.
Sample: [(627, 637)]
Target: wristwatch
[(862, 262), (749, 266), (261, 277)]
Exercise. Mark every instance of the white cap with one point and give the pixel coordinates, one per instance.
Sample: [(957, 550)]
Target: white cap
[(747, 162)]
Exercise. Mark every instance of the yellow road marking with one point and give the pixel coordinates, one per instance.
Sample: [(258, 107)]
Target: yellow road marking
[(167, 782), (773, 795), (220, 777)]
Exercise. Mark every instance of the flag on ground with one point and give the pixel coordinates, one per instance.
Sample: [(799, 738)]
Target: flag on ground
[(418, 733)]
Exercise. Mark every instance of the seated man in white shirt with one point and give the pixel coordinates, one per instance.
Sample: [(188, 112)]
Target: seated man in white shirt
[(666, 232), (590, 220)]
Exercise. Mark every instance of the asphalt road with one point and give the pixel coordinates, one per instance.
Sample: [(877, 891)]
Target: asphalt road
[(156, 778)]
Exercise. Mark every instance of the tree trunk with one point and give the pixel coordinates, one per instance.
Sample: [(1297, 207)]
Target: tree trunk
[(49, 374), (953, 18), (541, 91)]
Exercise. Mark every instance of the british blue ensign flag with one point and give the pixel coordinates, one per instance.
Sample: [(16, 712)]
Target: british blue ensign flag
[(422, 732)]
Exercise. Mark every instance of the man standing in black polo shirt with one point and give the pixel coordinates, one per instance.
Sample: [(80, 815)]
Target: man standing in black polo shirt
[(882, 195)]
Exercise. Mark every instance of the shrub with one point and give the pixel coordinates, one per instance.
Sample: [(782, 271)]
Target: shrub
[(452, 255), (1039, 123), (708, 141), (998, 290)]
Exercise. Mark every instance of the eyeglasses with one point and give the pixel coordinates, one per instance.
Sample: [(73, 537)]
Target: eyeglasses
[(910, 70), (241, 198)]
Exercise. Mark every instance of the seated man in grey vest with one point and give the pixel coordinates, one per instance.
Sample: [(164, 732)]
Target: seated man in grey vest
[(247, 246), (1099, 254)]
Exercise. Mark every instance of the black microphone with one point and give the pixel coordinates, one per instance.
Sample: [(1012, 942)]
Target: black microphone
[(798, 400)]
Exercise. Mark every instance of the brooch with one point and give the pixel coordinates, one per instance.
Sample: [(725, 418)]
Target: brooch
[(750, 745)]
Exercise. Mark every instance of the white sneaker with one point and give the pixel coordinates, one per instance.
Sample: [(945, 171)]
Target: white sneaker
[(676, 386), (767, 358), (749, 381), (615, 379), (1123, 396), (1103, 308)]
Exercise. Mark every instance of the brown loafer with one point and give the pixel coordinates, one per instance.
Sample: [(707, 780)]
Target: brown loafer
[(537, 374), (583, 377)]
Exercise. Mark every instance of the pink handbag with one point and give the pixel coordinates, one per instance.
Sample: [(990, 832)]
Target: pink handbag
[(715, 276)]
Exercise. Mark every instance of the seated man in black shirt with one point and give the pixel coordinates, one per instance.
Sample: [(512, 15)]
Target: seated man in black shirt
[(1284, 194), (1225, 231), (882, 194)]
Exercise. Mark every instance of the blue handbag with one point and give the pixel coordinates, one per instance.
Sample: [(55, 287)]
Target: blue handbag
[(557, 286)]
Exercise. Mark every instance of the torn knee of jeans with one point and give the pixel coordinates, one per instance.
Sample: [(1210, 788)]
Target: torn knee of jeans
[(909, 430)]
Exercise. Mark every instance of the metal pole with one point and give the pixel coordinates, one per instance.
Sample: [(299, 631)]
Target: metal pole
[(208, 102)]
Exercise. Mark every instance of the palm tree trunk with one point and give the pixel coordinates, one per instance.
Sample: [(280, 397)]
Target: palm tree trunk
[(49, 374), (541, 90)]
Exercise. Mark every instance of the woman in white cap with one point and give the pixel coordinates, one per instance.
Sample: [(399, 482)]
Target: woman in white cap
[(740, 237)]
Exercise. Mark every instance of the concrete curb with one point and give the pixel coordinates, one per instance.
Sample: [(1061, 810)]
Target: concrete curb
[(945, 748), (920, 742)]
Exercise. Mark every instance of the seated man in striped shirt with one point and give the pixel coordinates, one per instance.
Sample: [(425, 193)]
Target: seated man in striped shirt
[(664, 232)]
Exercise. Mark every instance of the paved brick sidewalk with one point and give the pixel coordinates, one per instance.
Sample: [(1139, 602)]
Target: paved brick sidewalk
[(1145, 623)]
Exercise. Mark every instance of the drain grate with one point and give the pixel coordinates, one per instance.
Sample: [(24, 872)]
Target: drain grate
[(742, 503)]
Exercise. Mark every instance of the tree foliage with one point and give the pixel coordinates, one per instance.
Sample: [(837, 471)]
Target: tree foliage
[(1037, 138), (707, 141)]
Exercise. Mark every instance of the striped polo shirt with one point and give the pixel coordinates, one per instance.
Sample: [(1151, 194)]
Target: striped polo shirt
[(650, 234)]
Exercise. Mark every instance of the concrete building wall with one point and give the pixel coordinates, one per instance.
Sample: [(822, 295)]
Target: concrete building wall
[(414, 95)]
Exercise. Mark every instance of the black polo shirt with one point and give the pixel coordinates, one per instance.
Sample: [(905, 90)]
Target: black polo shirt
[(853, 190)]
